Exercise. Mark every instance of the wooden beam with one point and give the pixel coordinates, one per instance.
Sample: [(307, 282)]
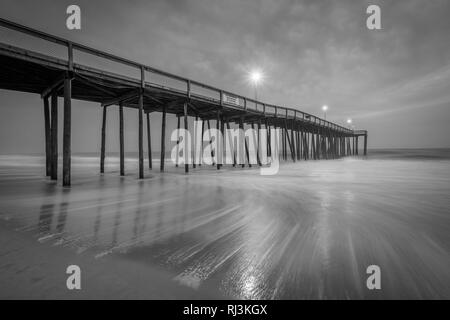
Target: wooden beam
[(288, 139), (241, 140), (200, 160), (299, 143), (365, 144), (256, 143), (186, 147), (222, 147), (218, 146), (94, 85), (102, 146), (67, 130), (245, 144), (194, 143), (54, 135), (57, 84), (149, 142), (357, 145), (305, 145), (231, 140), (151, 97), (163, 138), (121, 142), (269, 150), (141, 136), (210, 142), (258, 148), (194, 108), (48, 145), (123, 98), (178, 140), (293, 142)]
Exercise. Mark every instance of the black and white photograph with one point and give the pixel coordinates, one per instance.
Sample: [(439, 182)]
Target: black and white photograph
[(240, 151)]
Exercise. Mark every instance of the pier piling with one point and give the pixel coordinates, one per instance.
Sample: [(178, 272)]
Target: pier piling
[(141, 135), (121, 142), (48, 145), (54, 135), (102, 148), (149, 143), (67, 131), (163, 139)]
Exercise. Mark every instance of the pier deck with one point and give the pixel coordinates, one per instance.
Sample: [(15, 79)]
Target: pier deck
[(305, 136)]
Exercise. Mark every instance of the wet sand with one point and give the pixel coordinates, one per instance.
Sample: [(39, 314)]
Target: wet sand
[(308, 232)]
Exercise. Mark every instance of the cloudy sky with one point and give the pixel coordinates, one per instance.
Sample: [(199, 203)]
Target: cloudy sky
[(394, 82)]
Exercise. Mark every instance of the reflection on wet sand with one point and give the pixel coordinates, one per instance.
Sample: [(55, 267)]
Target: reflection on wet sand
[(309, 232)]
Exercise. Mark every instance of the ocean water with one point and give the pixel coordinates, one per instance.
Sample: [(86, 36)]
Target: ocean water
[(309, 232)]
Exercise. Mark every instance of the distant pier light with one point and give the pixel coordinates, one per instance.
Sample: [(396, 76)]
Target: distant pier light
[(256, 77), (325, 109), (349, 123)]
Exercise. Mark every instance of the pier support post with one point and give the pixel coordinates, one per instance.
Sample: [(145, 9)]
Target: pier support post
[(365, 144), (163, 139), (222, 147), (178, 140), (318, 146), (54, 136), (245, 144), (102, 148), (308, 141), (218, 146), (256, 143), (121, 142), (48, 145), (67, 130), (186, 147), (258, 148), (339, 145), (269, 150), (354, 145), (241, 140), (305, 145), (149, 143), (349, 149), (288, 141), (357, 143), (141, 135), (200, 160), (210, 142), (293, 142), (231, 143), (194, 144)]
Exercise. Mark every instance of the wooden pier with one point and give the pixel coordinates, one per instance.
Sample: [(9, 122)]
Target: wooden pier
[(304, 136)]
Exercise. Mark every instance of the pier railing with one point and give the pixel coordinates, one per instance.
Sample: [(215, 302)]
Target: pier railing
[(221, 97)]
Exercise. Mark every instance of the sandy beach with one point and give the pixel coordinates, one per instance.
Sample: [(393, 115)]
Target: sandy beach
[(308, 232)]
